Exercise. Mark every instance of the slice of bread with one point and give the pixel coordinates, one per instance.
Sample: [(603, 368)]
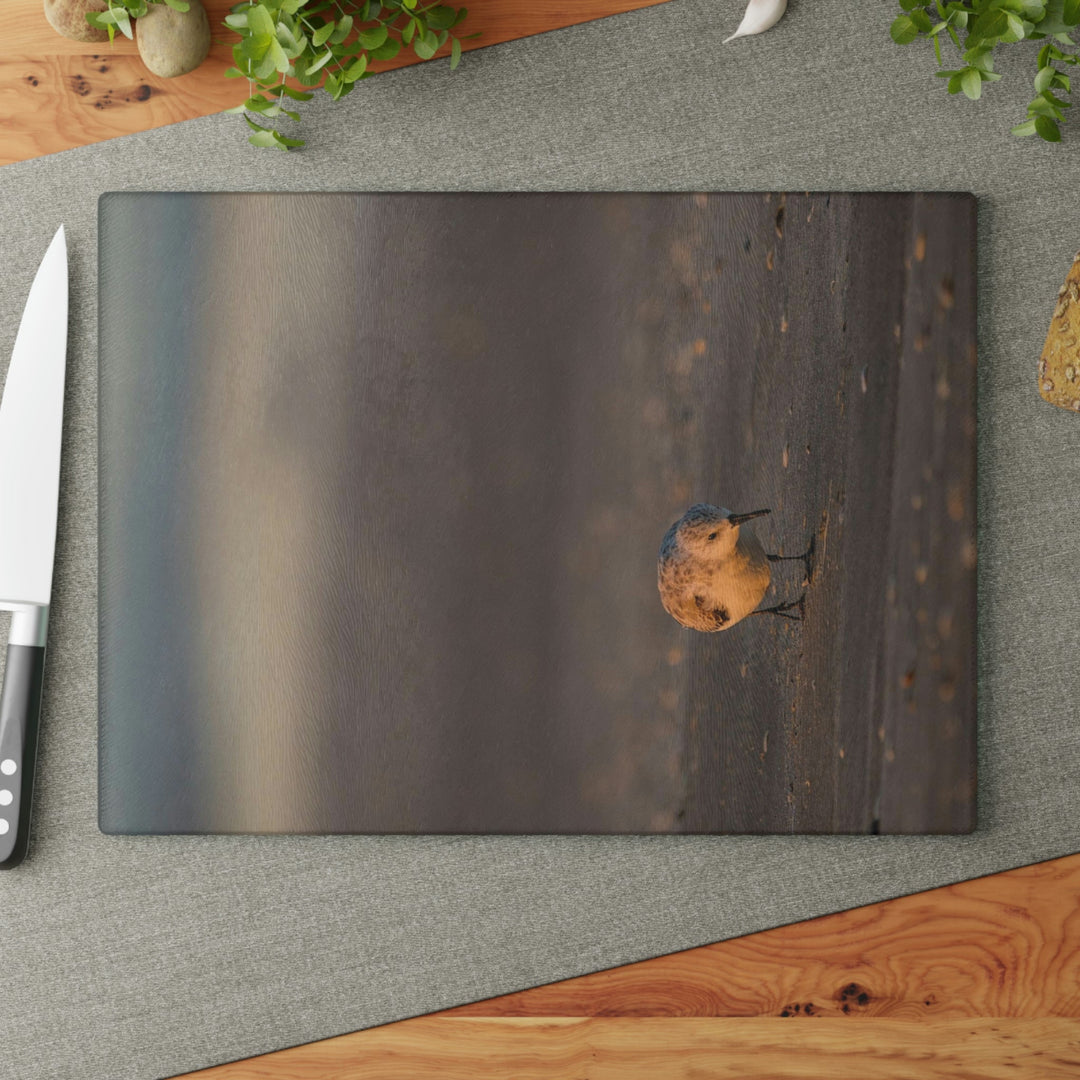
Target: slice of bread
[(1059, 366)]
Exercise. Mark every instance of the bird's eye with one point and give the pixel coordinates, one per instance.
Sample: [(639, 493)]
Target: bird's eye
[(712, 536)]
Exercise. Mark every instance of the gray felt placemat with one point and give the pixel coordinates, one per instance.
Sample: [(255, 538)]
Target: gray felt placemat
[(142, 957)]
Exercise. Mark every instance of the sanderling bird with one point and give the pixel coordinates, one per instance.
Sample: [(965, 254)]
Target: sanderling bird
[(713, 571)]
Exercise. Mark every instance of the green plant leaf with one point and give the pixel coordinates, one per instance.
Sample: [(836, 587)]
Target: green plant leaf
[(991, 23), (1053, 22), (260, 21), (265, 68), (266, 138), (116, 17), (903, 31), (981, 58), (344, 28), (287, 40), (1026, 128), (373, 38), (319, 64), (277, 55), (1041, 107), (424, 49), (455, 54), (319, 38), (923, 23), (387, 50), (255, 47), (971, 84), (1015, 28), (1047, 129), (1044, 78), (279, 110), (441, 17)]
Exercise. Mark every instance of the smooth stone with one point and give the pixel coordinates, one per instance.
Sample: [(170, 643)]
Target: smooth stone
[(68, 17), (173, 42)]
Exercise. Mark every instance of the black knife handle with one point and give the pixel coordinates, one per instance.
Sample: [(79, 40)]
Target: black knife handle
[(20, 708)]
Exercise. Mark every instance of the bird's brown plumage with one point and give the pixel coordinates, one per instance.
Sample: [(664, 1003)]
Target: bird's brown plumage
[(711, 571)]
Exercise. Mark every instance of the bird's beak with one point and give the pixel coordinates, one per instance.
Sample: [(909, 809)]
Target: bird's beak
[(738, 519)]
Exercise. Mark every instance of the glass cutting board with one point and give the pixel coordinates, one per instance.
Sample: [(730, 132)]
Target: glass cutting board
[(384, 478)]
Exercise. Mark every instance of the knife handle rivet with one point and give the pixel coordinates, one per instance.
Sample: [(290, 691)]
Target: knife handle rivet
[(8, 766), (4, 826), (5, 797)]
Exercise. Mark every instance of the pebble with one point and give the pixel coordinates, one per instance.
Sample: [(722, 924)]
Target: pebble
[(68, 18), (173, 42)]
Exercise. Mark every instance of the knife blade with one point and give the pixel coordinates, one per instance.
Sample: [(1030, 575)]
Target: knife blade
[(31, 418)]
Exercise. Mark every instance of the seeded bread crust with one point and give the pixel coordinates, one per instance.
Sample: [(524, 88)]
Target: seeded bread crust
[(1059, 366)]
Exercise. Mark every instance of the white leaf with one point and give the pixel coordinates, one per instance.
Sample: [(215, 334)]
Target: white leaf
[(760, 15)]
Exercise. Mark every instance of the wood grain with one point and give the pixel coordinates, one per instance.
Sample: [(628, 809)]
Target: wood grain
[(687, 1049), (56, 93), (1000, 946), (975, 980)]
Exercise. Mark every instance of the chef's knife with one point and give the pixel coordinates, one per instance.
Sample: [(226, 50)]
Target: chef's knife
[(31, 412)]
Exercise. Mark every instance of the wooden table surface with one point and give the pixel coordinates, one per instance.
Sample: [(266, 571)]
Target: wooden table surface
[(56, 93), (976, 980)]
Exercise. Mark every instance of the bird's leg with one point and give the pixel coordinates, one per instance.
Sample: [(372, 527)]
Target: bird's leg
[(783, 609), (807, 558)]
